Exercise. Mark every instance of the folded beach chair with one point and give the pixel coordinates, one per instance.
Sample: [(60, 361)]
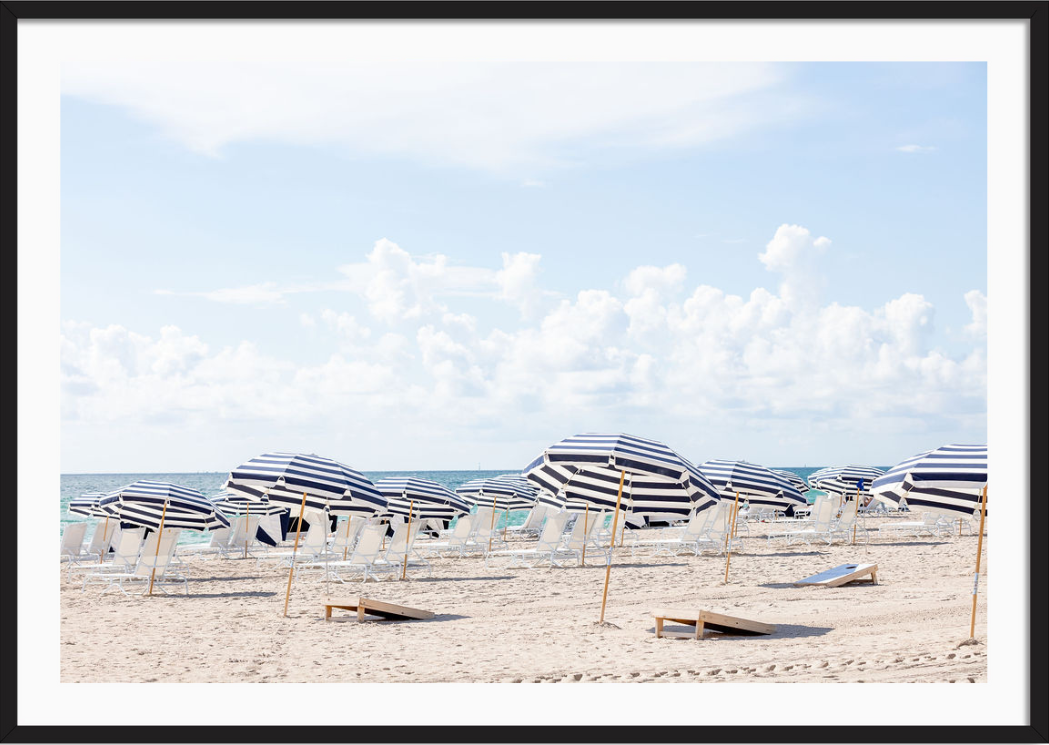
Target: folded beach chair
[(366, 561), (123, 558), (72, 543), (154, 562), (456, 541), (931, 524), (543, 550)]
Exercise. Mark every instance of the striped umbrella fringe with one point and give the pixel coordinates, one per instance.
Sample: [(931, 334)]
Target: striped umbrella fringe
[(143, 503), (88, 505), (845, 480), (232, 503), (503, 493), (283, 478), (424, 498), (586, 470), (949, 478), (795, 480), (757, 484)]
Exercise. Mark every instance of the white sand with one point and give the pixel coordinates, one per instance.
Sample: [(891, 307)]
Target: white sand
[(540, 625)]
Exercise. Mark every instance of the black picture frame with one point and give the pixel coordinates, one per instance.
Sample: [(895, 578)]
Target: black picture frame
[(1036, 13)]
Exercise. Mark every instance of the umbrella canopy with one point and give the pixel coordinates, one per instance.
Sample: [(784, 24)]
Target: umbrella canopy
[(232, 503), (948, 479), (586, 469), (426, 499), (88, 505), (755, 483), (507, 492), (795, 480), (845, 480), (283, 478), (144, 503)]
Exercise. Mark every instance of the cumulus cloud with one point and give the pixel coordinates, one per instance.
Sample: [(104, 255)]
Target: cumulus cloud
[(977, 303), (654, 348)]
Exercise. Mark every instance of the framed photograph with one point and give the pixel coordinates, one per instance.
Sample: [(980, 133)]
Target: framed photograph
[(405, 351)]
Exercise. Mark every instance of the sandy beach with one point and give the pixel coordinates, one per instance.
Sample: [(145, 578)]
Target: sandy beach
[(540, 625)]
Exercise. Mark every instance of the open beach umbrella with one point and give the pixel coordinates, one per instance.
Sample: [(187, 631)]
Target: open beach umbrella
[(160, 504), (88, 505), (270, 532), (951, 479), (795, 480), (419, 499), (509, 491), (298, 480), (591, 469), (759, 485), (845, 481)]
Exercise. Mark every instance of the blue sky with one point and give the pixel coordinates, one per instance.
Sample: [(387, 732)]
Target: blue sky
[(252, 260)]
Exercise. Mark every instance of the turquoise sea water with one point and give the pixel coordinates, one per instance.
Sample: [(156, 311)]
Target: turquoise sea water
[(75, 484)]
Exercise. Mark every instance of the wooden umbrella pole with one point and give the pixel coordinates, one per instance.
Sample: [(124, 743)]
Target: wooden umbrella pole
[(612, 545), (506, 521), (491, 528), (346, 545), (856, 514), (295, 548), (105, 540), (979, 551), (160, 534), (586, 514), (247, 524), (728, 543), (407, 539)]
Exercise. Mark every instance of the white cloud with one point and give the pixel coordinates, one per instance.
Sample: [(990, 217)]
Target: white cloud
[(977, 303), (693, 357), (523, 115), (916, 148)]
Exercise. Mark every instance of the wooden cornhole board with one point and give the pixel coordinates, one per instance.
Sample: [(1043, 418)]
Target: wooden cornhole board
[(368, 607), (841, 575), (705, 619)]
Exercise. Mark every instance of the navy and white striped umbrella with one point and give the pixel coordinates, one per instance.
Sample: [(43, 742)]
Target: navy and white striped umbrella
[(283, 478), (88, 505), (506, 492), (845, 480), (144, 503), (796, 481), (755, 483), (948, 479), (586, 469), (232, 503), (426, 499)]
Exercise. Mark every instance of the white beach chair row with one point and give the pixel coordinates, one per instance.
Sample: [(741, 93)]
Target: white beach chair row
[(135, 561)]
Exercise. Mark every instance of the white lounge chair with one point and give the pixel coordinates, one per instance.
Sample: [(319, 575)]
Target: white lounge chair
[(455, 543), (823, 526), (932, 524), (312, 546), (71, 547), (584, 534), (242, 536), (401, 546), (532, 525), (101, 538), (155, 563), (692, 537), (346, 536), (366, 561), (544, 550), (123, 559), (217, 545)]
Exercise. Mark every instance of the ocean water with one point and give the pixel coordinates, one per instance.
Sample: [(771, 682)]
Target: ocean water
[(208, 484)]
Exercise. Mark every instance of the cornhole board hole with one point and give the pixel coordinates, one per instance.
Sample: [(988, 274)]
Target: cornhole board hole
[(705, 620), (841, 575), (369, 607)]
